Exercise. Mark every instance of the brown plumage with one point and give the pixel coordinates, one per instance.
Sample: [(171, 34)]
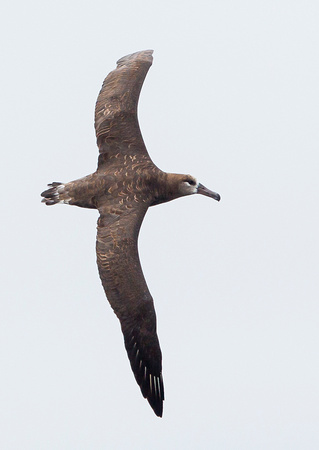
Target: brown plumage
[(125, 184)]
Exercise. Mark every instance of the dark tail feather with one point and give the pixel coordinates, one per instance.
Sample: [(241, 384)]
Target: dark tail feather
[(53, 195)]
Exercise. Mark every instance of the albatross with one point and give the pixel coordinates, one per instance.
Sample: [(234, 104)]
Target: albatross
[(125, 184)]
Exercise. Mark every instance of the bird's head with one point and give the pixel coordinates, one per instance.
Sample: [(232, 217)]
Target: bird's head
[(188, 185)]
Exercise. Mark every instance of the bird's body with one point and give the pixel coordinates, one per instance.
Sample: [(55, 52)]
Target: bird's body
[(125, 184)]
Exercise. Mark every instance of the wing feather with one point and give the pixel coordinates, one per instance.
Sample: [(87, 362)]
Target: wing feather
[(116, 122), (126, 289)]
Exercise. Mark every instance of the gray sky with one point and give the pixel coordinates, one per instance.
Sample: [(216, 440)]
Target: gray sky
[(232, 98)]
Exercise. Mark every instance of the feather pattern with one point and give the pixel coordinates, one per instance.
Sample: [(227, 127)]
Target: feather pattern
[(116, 122), (125, 287), (125, 184)]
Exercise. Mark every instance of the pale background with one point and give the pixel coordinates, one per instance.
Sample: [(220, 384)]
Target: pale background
[(232, 98)]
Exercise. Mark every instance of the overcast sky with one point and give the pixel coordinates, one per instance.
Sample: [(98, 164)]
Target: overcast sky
[(231, 98)]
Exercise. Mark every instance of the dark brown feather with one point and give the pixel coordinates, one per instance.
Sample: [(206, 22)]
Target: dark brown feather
[(125, 287), (116, 123), (124, 186)]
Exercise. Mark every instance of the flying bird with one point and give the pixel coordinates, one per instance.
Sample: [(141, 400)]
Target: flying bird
[(125, 184)]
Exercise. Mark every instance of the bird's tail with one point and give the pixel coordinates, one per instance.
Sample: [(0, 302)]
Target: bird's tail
[(55, 194)]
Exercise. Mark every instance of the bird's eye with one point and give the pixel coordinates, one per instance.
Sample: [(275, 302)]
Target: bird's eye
[(191, 182)]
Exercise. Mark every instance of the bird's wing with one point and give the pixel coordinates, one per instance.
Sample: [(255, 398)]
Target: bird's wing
[(116, 123), (126, 289)]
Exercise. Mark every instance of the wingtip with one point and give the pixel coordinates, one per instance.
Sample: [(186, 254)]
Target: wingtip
[(155, 394), (147, 368), (158, 410), (144, 55), (157, 407)]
